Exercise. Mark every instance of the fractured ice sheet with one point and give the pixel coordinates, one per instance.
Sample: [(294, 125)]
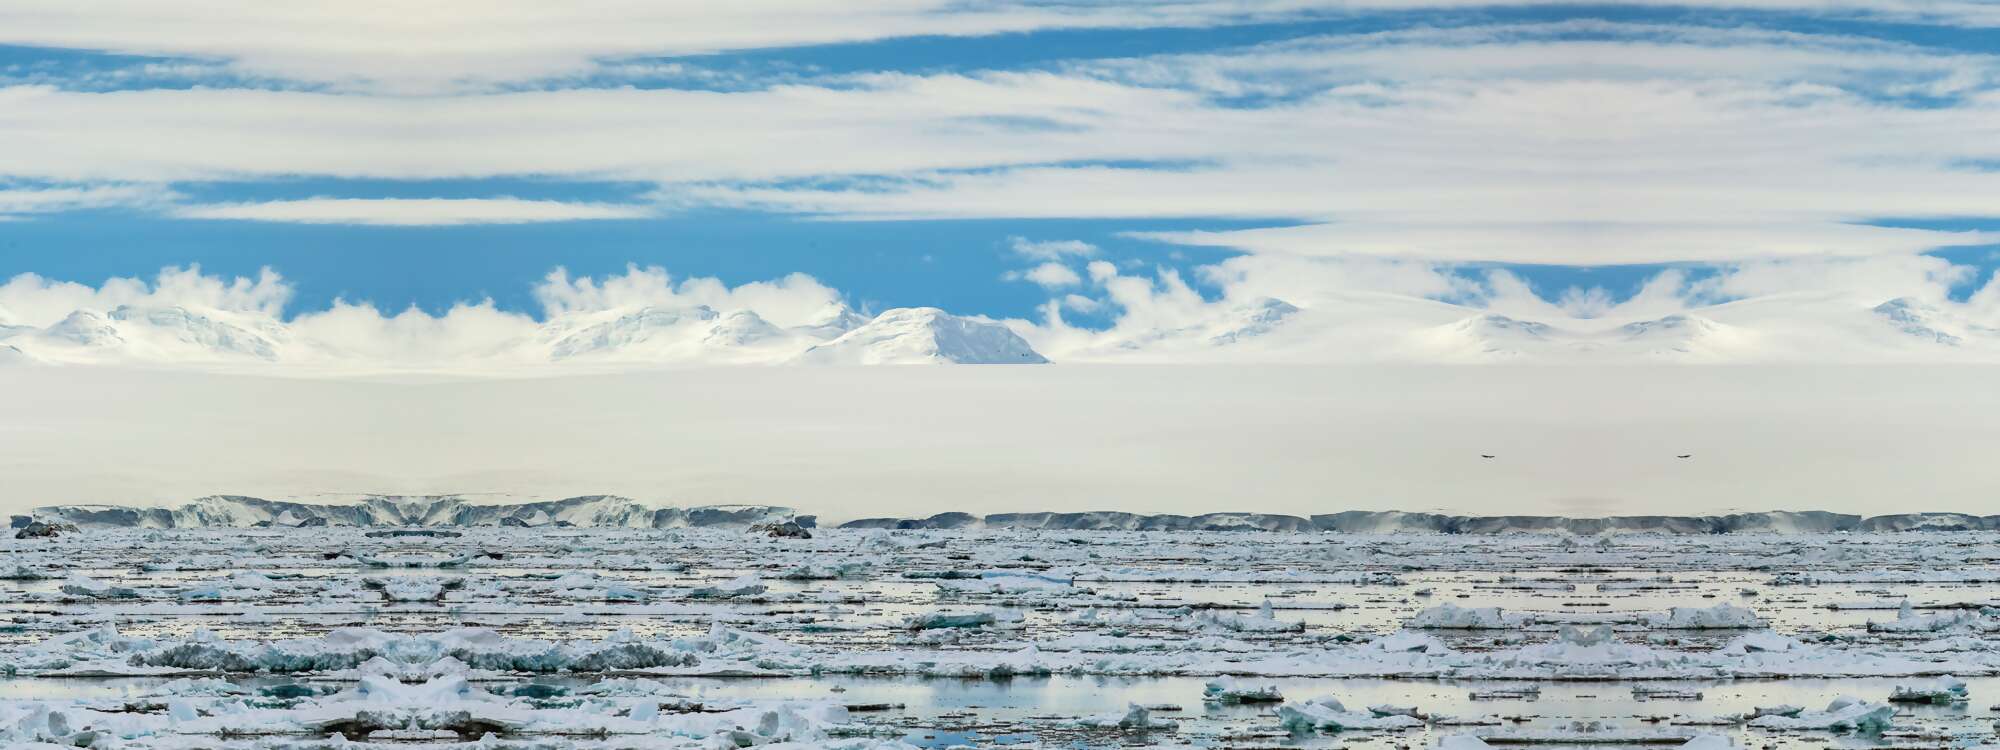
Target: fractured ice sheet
[(726, 636)]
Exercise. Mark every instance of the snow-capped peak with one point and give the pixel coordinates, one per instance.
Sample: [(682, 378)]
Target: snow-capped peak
[(162, 333), (925, 335), (832, 321), (1921, 320), (1488, 336)]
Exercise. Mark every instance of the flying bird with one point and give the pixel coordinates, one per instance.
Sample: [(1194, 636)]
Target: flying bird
[(1485, 455), (1685, 455)]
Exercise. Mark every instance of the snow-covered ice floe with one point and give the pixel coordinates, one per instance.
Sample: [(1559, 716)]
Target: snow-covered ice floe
[(546, 629)]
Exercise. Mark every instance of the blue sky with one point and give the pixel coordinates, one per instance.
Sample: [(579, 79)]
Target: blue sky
[(898, 158)]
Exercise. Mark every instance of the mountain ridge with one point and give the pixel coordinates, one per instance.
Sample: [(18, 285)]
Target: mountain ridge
[(614, 511), (418, 510)]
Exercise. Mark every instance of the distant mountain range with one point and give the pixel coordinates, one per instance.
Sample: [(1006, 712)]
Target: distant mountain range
[(421, 510), (613, 511), (1363, 329), (698, 334)]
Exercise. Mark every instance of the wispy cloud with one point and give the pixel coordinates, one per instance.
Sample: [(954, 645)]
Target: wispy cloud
[(413, 211), (1393, 155)]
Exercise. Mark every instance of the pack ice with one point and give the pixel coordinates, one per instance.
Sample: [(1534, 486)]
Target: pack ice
[(604, 622)]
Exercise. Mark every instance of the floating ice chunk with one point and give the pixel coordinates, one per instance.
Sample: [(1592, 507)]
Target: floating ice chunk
[(824, 572), (936, 620), (1453, 617), (1327, 714), (207, 687), (89, 588), (1783, 709), (1763, 641), (1007, 582), (381, 700), (1462, 742), (1404, 641), (1720, 616), (1908, 621), (1228, 691), (1591, 733), (746, 585), (1135, 718), (1943, 690), (584, 586), (1844, 713), (1709, 742), (414, 561), (412, 589), (1265, 621), (415, 655), (24, 572)]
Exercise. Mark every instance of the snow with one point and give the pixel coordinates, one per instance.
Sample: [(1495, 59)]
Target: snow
[(1720, 617), (404, 511), (924, 335), (1452, 616), (1135, 718), (1943, 690), (1845, 713), (1328, 714), (556, 635), (1229, 691), (616, 337)]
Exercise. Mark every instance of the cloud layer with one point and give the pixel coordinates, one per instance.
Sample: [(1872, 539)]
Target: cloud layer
[(1577, 140), (1793, 172), (1254, 308)]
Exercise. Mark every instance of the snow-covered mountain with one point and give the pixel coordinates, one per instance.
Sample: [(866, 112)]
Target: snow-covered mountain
[(156, 334), (607, 510), (697, 334), (1332, 329), (652, 335), (924, 335), (1930, 324), (1682, 337), (1490, 336), (425, 510)]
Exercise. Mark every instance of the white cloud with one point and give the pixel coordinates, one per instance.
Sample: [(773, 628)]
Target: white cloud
[(15, 202), (795, 299), (1256, 308), (1049, 275), (458, 44), (1520, 143), (412, 211), (360, 336), (1051, 250), (29, 299)]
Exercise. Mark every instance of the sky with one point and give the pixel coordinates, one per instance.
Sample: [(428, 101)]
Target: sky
[(1550, 162), (504, 194), (844, 443)]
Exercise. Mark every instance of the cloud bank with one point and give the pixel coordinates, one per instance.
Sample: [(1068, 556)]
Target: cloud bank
[(1583, 139), (1246, 309)]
